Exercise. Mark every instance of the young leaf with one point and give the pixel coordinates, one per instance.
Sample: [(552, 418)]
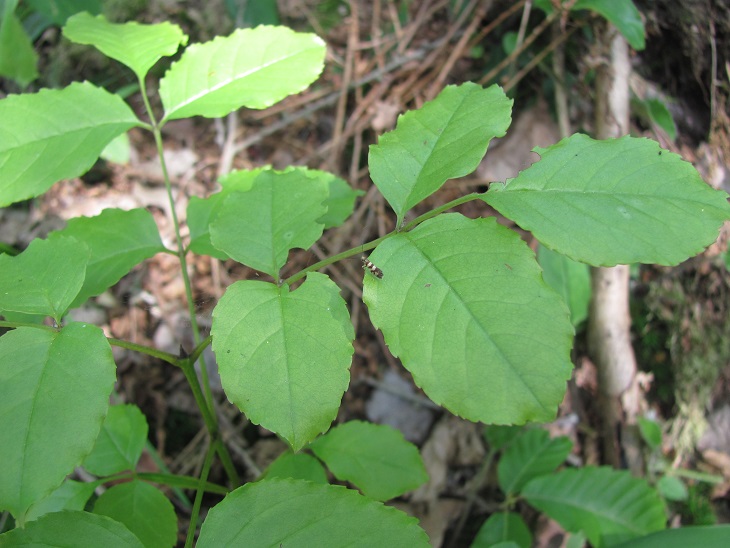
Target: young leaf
[(72, 528), (54, 393), (55, 134), (607, 505), (45, 278), (503, 527), (296, 466), (252, 68), (118, 239), (260, 226), (143, 509), (532, 454), (571, 279), (120, 442), (284, 356), (374, 457), (446, 138), (616, 201), (132, 44), (299, 513), (71, 495), (463, 304)]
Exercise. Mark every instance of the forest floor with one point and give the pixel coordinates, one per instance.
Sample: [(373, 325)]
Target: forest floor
[(382, 61)]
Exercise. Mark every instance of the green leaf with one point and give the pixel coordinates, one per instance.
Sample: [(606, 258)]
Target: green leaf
[(296, 466), (45, 278), (672, 488), (119, 240), (55, 134), (201, 212), (284, 356), (150, 42), (71, 495), (120, 442), (607, 505), (651, 432), (463, 304), (444, 139), (660, 115), (18, 59), (71, 528), (624, 16), (374, 457), (341, 200), (503, 527), (499, 436), (531, 455), (622, 13), (143, 509), (617, 201), (706, 536), (54, 393), (299, 513), (571, 279), (118, 150), (57, 12), (259, 227), (252, 68)]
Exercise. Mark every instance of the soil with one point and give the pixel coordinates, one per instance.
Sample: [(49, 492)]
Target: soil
[(393, 56)]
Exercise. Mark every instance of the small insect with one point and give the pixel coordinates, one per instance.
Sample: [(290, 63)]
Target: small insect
[(367, 265)]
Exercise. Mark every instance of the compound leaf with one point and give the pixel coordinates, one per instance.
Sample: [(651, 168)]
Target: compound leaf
[(616, 201), (444, 139), (279, 512), (284, 356), (150, 42), (252, 68), (54, 393), (374, 457), (463, 304), (55, 134)]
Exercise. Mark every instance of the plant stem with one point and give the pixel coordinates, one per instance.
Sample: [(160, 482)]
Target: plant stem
[(150, 351), (370, 245), (204, 397), (199, 495)]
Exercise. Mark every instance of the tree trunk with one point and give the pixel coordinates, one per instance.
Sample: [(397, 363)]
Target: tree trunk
[(609, 322)]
